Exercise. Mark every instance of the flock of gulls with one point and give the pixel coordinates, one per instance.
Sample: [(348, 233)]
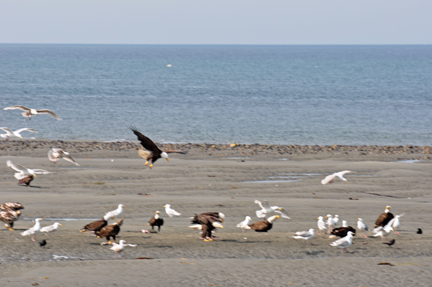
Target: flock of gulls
[(207, 222)]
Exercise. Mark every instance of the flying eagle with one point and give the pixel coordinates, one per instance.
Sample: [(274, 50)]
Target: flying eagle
[(28, 113), (151, 153)]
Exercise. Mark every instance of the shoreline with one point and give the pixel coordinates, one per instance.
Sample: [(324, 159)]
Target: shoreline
[(260, 151)]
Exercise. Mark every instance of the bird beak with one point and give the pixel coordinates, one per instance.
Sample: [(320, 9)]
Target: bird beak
[(21, 137), (34, 175), (250, 219), (164, 205), (41, 219), (167, 159), (60, 225), (326, 216), (347, 182), (317, 217), (124, 205), (357, 219)]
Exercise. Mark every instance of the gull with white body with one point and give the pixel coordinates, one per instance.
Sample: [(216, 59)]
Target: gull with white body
[(305, 235), (54, 154), (266, 209), (344, 242), (33, 230), (330, 178), (15, 134), (171, 212), (50, 228), (28, 113), (23, 171), (114, 213)]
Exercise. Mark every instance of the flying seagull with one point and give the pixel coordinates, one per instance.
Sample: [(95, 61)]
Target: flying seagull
[(23, 171), (151, 153), (330, 178), (28, 113), (54, 154), (267, 209), (15, 134)]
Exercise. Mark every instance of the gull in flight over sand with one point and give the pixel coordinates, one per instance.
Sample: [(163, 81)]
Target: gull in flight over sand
[(15, 134), (330, 178), (344, 242), (267, 209), (28, 113), (171, 212), (23, 171), (54, 154)]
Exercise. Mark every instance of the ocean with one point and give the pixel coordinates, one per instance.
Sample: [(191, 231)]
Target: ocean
[(349, 95)]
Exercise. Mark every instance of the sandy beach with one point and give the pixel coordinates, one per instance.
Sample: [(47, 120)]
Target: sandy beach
[(220, 178)]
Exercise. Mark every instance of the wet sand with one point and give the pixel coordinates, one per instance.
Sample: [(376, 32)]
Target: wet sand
[(225, 179)]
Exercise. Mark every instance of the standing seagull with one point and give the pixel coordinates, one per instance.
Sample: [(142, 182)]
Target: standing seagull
[(114, 213), (344, 242), (244, 224), (23, 171), (171, 212), (321, 224), (362, 226), (305, 235), (54, 154), (28, 113), (330, 178), (396, 223), (152, 152), (34, 230), (50, 228), (15, 134)]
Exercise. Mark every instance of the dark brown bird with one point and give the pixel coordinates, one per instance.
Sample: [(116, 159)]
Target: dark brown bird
[(343, 231), (265, 225), (26, 180), (390, 243), (206, 223), (42, 243), (109, 231), (419, 231), (384, 218), (11, 206), (9, 217), (156, 220), (95, 226), (151, 153), (217, 215)]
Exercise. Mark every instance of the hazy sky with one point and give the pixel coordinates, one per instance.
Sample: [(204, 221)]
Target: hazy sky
[(216, 21)]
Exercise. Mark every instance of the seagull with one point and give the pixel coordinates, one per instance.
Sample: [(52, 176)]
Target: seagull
[(50, 228), (344, 223), (330, 222), (321, 224), (362, 226), (396, 223), (344, 242), (23, 171), (336, 220), (118, 247), (266, 208), (330, 178), (244, 224), (305, 235), (34, 230), (114, 213), (28, 113), (171, 212), (384, 231), (54, 154), (15, 134)]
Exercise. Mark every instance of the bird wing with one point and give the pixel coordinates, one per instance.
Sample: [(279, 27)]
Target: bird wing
[(282, 212), (54, 115), (263, 204), (25, 129), (328, 179), (17, 107), (69, 159), (16, 166), (51, 156), (175, 151), (342, 173), (48, 228), (7, 130), (303, 233), (147, 143), (40, 171)]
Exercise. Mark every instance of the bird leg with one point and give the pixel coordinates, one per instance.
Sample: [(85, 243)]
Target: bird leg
[(33, 239), (146, 163), (151, 165)]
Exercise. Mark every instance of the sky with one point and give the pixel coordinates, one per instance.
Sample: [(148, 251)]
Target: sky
[(260, 22)]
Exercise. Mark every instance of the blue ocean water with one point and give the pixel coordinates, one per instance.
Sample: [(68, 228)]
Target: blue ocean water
[(221, 94)]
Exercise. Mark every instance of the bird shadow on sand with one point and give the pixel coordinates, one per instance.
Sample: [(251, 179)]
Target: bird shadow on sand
[(314, 253)]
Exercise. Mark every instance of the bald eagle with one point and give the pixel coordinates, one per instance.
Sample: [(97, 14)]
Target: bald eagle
[(384, 218), (151, 153), (265, 225), (207, 223), (95, 226), (156, 220), (109, 231), (343, 231)]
